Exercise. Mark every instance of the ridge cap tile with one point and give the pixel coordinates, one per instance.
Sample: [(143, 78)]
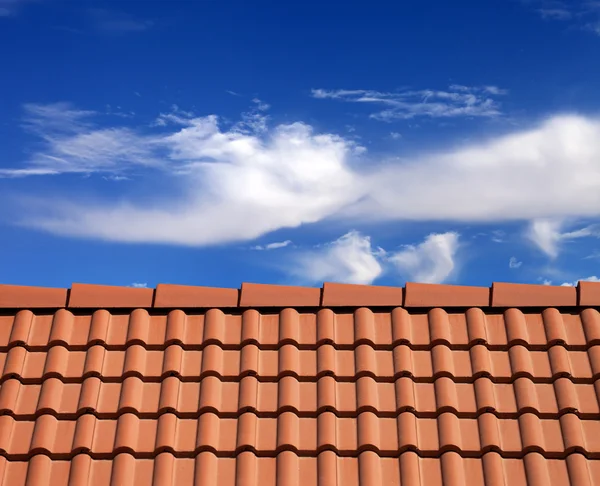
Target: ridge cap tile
[(355, 295), (268, 295), (94, 296), (532, 295), (443, 295), (588, 293), (189, 296), (22, 296)]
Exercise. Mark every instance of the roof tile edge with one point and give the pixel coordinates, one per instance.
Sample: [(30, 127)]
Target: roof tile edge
[(439, 295), (91, 296), (190, 296), (266, 295), (352, 295), (500, 295), (19, 296), (532, 295)]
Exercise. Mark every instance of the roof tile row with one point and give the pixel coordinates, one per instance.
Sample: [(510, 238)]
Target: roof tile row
[(288, 469), (307, 329), (288, 360), (307, 436), (330, 295), (346, 399)]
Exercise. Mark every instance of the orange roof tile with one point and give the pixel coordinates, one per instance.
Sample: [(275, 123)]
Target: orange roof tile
[(430, 385)]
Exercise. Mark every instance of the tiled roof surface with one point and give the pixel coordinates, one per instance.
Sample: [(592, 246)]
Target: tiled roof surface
[(426, 385)]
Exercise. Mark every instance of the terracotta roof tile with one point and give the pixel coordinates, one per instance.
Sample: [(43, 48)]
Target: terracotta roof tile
[(339, 295), (525, 295), (104, 296), (294, 389), (434, 295), (589, 293), (15, 297), (183, 296), (261, 295)]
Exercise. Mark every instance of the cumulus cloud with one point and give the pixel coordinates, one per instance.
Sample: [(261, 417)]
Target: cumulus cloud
[(352, 259), (349, 259), (456, 101), (431, 261), (235, 183)]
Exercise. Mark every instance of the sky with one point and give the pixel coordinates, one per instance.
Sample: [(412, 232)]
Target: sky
[(219, 142)]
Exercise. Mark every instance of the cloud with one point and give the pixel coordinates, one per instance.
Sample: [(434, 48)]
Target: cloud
[(584, 14), (514, 263), (349, 259), (240, 182), (111, 21), (431, 261), (457, 101), (273, 246), (547, 235), (139, 285), (73, 144), (233, 185), (593, 278)]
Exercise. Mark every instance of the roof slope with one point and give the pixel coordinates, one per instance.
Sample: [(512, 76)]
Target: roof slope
[(426, 385)]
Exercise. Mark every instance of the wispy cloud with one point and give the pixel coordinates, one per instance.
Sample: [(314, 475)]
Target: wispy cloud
[(75, 144), (138, 285), (240, 182), (456, 101), (112, 21), (584, 14), (514, 263), (431, 261), (273, 246), (548, 236)]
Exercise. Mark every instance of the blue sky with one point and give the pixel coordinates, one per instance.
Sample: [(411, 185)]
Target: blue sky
[(210, 143)]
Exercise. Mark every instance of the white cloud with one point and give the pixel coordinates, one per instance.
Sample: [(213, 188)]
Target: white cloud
[(349, 259), (457, 101), (593, 278), (237, 185), (547, 235), (514, 263), (273, 246), (431, 261), (139, 285), (548, 172)]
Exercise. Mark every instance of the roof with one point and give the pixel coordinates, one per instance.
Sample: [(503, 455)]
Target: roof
[(343, 385)]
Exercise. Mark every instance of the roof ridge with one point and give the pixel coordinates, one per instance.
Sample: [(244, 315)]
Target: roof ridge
[(415, 295)]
